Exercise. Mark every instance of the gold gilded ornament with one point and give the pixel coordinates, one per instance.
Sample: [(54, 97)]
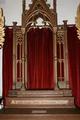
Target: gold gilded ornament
[(78, 21), (2, 33)]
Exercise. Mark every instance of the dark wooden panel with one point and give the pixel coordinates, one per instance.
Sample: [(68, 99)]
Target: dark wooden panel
[(40, 117)]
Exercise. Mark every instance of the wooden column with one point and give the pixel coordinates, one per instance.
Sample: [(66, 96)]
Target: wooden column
[(23, 60), (54, 5), (26, 62), (66, 76), (55, 56), (23, 5), (14, 55)]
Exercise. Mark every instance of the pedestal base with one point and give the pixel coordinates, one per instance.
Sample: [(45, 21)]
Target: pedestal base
[(40, 99)]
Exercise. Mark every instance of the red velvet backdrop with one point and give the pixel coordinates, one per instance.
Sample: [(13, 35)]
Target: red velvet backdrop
[(8, 61), (74, 63), (40, 59)]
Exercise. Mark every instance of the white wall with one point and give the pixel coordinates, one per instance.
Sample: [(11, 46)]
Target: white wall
[(66, 9)]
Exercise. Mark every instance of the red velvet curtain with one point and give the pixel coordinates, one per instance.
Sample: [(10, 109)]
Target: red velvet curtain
[(40, 58), (8, 61), (78, 72), (74, 63)]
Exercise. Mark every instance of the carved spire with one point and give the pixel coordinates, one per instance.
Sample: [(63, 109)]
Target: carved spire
[(23, 5), (54, 5)]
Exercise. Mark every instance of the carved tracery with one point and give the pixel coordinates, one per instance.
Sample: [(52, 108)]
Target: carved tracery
[(39, 10), (21, 95)]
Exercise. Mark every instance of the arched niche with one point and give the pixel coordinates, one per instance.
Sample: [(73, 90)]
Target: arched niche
[(39, 10), (36, 29)]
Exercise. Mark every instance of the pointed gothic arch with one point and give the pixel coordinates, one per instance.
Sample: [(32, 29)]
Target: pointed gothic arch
[(39, 8)]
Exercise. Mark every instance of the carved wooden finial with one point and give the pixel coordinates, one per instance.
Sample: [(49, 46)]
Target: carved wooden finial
[(2, 33), (78, 21), (65, 24), (54, 5), (23, 5)]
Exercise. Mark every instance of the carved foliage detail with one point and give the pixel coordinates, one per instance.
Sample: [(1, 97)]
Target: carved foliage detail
[(2, 34), (60, 36), (19, 36), (78, 21)]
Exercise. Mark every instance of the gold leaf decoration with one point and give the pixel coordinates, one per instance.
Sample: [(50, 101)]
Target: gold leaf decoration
[(78, 21), (2, 33)]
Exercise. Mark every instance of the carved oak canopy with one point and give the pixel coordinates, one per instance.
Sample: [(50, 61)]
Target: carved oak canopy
[(39, 8)]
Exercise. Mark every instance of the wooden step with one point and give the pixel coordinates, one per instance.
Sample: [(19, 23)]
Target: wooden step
[(40, 99), (40, 93)]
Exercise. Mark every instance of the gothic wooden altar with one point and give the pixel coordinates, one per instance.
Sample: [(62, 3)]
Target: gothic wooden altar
[(58, 93)]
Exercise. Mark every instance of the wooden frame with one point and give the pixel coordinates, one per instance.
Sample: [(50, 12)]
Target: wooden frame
[(37, 9), (40, 9)]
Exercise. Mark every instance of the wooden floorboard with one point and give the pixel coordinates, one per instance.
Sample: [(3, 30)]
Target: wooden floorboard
[(40, 114), (40, 117), (40, 110)]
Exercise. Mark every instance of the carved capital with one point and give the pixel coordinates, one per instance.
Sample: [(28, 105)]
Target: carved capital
[(55, 29), (23, 30)]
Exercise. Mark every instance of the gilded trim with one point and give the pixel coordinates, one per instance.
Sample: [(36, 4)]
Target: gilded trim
[(2, 32), (78, 21)]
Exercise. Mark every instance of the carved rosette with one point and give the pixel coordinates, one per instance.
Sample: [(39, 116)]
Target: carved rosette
[(78, 21), (2, 33)]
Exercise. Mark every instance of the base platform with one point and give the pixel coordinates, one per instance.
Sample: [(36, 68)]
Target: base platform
[(50, 114), (40, 99)]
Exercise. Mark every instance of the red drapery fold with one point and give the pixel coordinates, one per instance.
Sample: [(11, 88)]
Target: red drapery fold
[(74, 63), (40, 59), (8, 61), (78, 72)]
